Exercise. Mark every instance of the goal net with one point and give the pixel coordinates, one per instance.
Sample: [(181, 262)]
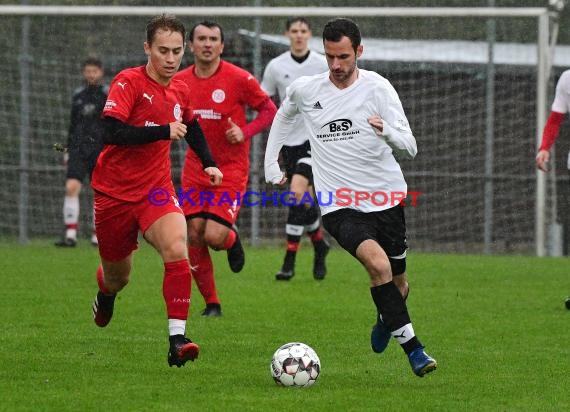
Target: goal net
[(475, 84)]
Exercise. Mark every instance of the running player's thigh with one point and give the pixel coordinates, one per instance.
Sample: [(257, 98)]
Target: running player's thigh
[(390, 228), (116, 227), (349, 227), (167, 235)]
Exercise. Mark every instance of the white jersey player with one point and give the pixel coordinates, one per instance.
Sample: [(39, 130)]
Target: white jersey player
[(356, 125), (296, 153), (560, 106)]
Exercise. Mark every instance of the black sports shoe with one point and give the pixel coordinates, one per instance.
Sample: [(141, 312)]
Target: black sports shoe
[(285, 274), (319, 264), (66, 242), (236, 255), (103, 309), (181, 350), (212, 309)]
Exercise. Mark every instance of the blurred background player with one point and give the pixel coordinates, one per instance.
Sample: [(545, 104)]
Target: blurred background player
[(221, 92), (560, 106), (296, 153), (84, 143), (375, 130), (145, 111)]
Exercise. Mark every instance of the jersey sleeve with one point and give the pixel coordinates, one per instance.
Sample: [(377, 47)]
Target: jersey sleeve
[(121, 98), (283, 125), (562, 97), (188, 115), (253, 95), (268, 82), (396, 131)]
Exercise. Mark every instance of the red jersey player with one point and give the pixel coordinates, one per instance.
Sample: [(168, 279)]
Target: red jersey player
[(144, 112), (220, 94)]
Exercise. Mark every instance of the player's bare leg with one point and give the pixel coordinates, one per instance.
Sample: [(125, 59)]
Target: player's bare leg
[(70, 213), (221, 237), (112, 277)]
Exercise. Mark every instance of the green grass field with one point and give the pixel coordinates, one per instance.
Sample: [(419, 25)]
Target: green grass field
[(496, 325)]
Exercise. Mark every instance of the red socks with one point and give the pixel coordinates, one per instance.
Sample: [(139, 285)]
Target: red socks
[(203, 272), (101, 281), (292, 246), (176, 288), (316, 236), (230, 240)]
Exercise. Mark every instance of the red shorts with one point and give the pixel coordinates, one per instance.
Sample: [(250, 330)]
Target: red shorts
[(117, 222), (223, 201)]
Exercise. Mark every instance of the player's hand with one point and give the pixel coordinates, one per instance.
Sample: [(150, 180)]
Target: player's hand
[(377, 123), (215, 174), (177, 130), (234, 134), (542, 159), (282, 181)]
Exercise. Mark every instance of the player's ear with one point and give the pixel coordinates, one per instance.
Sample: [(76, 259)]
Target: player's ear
[(359, 50), (146, 48)]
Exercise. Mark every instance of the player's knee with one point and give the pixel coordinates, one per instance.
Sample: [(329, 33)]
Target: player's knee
[(215, 239), (72, 187), (175, 250), (378, 267), (299, 196)]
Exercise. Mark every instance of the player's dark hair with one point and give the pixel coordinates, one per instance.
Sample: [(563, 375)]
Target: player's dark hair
[(337, 28), (297, 19), (167, 22), (92, 61), (209, 24)]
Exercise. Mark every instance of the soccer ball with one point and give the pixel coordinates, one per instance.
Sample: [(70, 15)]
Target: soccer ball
[(295, 364)]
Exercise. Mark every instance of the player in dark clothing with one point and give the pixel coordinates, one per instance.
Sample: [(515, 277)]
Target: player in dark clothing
[(83, 145)]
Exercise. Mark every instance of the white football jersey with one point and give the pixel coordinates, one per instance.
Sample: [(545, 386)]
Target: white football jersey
[(280, 73), (561, 103), (350, 160)]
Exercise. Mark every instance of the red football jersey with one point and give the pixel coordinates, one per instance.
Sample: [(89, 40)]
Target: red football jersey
[(129, 172), (224, 95)]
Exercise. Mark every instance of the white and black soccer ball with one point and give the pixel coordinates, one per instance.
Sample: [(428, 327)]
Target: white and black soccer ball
[(295, 364)]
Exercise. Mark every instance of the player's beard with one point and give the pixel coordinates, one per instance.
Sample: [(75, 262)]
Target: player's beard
[(341, 76)]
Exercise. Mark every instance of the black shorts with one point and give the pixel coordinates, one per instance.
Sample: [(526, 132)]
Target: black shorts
[(297, 161), (81, 164), (351, 227)]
